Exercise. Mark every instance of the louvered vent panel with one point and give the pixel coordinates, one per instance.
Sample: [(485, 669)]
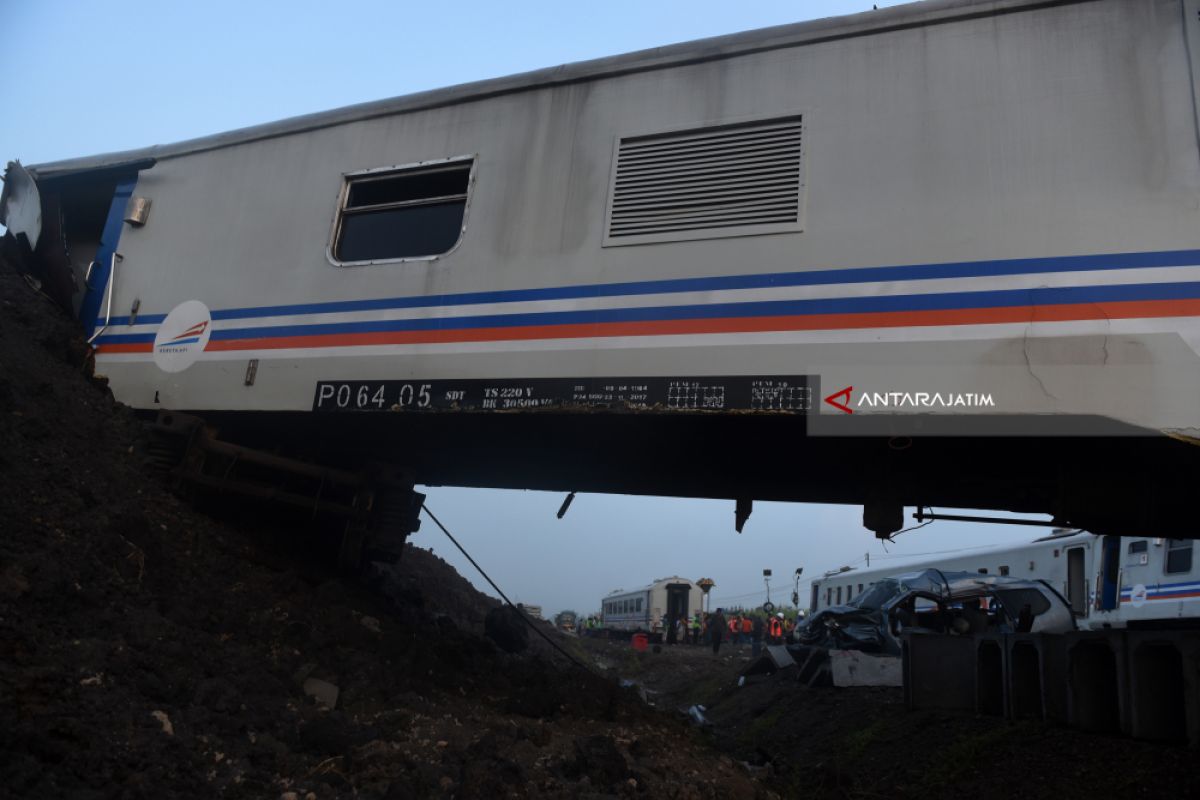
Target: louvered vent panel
[(707, 182)]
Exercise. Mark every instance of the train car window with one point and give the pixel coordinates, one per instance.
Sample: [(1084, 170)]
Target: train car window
[(639, 604), (1003, 569), (1179, 556), (839, 595), (393, 215), (1139, 555)]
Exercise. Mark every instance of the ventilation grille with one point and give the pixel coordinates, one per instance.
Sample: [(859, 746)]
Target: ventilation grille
[(726, 181)]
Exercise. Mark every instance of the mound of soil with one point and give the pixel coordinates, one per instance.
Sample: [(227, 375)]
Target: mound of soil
[(443, 591), (147, 650)]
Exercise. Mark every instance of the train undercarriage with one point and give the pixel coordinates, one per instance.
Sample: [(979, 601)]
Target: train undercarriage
[(1124, 485)]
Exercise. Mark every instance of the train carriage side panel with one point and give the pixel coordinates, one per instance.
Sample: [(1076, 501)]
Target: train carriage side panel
[(1159, 583), (1055, 132)]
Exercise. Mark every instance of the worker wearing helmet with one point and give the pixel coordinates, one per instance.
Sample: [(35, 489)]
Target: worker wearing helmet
[(775, 629)]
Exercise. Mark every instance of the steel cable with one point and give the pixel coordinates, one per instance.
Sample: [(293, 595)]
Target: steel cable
[(500, 591)]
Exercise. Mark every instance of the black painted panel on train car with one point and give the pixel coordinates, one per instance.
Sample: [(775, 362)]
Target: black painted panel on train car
[(766, 393)]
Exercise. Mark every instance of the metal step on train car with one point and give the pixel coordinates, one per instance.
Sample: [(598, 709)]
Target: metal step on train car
[(836, 261)]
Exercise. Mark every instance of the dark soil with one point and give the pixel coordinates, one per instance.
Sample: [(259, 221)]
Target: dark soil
[(863, 743), (147, 650)]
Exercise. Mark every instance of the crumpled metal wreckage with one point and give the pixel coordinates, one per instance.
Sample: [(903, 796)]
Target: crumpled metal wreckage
[(964, 603)]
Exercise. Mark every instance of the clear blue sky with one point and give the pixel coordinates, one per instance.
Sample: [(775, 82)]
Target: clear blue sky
[(93, 77)]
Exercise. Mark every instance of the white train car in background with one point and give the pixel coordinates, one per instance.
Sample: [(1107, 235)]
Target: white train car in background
[(1110, 581), (647, 608)]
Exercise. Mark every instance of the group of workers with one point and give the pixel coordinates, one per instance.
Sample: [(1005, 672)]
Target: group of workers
[(715, 628), (738, 629)]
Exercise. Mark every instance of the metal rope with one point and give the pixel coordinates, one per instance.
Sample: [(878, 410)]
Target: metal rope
[(499, 591)]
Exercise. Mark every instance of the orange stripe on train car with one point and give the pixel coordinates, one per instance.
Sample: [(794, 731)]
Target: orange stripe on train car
[(1134, 309)]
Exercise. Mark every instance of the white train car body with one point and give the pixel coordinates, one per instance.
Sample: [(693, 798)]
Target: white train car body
[(984, 191), (648, 608), (1110, 581), (952, 210)]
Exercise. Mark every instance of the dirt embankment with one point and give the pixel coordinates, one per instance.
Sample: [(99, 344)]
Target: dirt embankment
[(148, 651), (864, 743)]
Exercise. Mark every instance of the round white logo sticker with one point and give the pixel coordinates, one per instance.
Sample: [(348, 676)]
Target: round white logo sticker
[(1137, 597), (182, 336)]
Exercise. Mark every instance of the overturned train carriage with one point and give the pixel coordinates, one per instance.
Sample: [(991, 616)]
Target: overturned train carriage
[(942, 254)]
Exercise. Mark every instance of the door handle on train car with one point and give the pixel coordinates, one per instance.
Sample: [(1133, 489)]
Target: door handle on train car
[(112, 280)]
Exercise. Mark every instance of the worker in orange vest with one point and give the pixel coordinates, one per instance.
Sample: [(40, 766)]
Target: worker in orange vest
[(775, 629), (747, 627)]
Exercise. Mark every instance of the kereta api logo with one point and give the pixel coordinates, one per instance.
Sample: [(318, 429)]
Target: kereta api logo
[(182, 336)]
